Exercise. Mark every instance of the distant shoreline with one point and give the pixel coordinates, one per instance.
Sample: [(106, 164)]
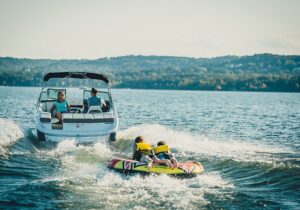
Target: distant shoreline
[(253, 73), (192, 90)]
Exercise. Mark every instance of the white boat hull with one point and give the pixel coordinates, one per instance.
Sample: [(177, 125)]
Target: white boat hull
[(82, 121), (77, 128)]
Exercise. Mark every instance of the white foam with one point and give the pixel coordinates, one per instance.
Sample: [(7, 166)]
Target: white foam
[(119, 192), (83, 171), (10, 132), (68, 145), (78, 161), (188, 144)]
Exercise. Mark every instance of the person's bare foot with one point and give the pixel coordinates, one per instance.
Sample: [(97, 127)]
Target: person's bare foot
[(149, 165), (169, 164), (174, 164)]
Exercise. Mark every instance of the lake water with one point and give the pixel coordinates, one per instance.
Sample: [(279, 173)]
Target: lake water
[(249, 144)]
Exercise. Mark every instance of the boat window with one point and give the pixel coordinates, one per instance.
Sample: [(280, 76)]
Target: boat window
[(52, 93), (101, 94), (44, 96)]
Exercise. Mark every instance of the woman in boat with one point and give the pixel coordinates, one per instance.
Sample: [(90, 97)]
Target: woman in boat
[(163, 153), (60, 106), (143, 152)]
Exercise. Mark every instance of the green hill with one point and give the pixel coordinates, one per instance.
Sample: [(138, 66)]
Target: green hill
[(262, 72)]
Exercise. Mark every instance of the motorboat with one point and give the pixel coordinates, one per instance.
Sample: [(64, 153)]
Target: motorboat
[(82, 121)]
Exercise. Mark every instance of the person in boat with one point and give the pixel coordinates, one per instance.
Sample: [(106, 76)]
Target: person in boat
[(60, 106), (94, 100), (143, 152), (163, 152)]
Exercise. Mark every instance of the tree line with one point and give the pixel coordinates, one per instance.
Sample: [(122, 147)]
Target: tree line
[(261, 72)]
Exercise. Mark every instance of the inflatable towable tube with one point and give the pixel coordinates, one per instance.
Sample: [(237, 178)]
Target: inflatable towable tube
[(186, 169)]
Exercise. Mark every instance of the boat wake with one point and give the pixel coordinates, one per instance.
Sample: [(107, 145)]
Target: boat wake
[(10, 132), (83, 172), (79, 170), (189, 146)]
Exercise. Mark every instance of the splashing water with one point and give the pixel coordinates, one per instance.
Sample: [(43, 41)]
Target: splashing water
[(249, 149), (10, 132), (200, 145)]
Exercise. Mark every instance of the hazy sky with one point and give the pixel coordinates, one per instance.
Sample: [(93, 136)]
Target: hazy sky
[(196, 28)]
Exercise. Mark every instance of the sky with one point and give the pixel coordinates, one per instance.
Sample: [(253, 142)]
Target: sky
[(90, 29)]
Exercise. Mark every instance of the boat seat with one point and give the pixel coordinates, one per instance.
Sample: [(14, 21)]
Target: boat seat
[(45, 117), (94, 109), (54, 120), (46, 106), (108, 115), (67, 115), (77, 116), (87, 118), (98, 116)]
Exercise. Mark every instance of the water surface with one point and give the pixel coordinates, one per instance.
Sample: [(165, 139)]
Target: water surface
[(249, 144)]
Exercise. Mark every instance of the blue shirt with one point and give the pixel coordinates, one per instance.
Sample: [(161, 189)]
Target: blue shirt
[(61, 106), (94, 101)]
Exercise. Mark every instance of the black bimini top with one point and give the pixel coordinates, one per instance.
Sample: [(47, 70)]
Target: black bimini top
[(78, 75)]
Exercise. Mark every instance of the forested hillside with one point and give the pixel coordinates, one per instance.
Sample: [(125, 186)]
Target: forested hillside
[(262, 72)]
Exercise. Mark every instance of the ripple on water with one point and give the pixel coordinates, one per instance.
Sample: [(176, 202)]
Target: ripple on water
[(247, 142)]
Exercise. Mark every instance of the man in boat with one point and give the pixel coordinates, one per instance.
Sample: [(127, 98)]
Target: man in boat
[(94, 100), (60, 106), (143, 152)]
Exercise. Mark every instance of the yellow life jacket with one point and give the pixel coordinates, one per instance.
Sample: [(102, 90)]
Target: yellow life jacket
[(144, 148), (161, 149)]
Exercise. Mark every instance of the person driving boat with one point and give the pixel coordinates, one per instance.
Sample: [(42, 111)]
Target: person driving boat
[(94, 100)]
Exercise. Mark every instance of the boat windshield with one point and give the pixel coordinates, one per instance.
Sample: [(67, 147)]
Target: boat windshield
[(50, 94), (101, 94)]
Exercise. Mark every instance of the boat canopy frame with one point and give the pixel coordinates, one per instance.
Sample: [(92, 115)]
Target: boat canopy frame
[(77, 75)]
